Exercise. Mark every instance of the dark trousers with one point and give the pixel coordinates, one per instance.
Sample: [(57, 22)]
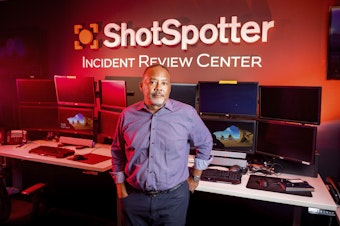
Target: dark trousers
[(166, 209)]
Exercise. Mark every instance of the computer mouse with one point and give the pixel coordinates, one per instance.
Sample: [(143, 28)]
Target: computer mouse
[(78, 157), (263, 183), (235, 168)]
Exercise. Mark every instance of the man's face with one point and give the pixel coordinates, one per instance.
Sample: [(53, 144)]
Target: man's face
[(156, 87)]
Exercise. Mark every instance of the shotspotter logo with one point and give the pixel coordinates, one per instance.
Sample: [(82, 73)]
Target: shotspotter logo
[(86, 36), (172, 33)]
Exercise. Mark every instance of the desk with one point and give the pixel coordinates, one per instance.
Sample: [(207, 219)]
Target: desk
[(74, 184), (15, 152), (321, 197)]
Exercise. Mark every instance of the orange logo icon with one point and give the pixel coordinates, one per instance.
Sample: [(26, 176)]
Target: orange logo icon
[(86, 37)]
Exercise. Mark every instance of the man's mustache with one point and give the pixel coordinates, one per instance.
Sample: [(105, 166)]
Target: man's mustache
[(157, 94)]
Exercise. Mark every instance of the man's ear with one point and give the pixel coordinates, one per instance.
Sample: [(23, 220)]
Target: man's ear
[(141, 86)]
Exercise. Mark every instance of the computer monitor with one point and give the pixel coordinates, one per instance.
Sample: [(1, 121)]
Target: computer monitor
[(238, 99), (287, 141), (36, 91), (75, 91), (300, 104), (232, 135), (38, 118), (107, 123), (184, 92), (133, 92), (112, 94), (76, 120)]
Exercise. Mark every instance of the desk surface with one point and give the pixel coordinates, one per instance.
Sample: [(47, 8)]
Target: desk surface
[(321, 198), (13, 151)]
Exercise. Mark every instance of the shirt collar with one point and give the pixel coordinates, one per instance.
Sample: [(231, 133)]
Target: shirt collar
[(168, 105)]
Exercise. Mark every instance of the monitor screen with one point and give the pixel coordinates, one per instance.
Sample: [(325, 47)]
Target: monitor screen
[(290, 103), (184, 92), (287, 141), (133, 92), (112, 94), (107, 123), (75, 120), (231, 99), (75, 91), (232, 135), (38, 118), (36, 91)]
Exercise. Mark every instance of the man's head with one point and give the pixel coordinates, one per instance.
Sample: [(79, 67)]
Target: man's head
[(155, 86)]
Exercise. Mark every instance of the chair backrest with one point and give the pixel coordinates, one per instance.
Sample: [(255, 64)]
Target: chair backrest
[(5, 202)]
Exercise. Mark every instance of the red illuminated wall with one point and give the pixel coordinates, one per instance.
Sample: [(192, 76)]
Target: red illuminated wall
[(295, 53)]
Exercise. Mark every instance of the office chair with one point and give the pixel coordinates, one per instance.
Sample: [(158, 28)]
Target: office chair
[(21, 208)]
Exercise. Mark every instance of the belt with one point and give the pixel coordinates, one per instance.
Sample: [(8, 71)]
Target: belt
[(154, 193)]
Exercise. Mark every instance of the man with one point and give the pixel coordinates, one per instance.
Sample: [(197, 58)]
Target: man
[(150, 154)]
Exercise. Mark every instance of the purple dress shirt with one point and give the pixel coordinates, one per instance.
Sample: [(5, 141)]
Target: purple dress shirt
[(151, 151)]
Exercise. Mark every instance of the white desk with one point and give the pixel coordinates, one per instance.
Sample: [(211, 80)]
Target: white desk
[(321, 197), (13, 151)]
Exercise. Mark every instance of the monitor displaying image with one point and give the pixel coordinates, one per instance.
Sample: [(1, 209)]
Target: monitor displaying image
[(75, 120), (232, 135)]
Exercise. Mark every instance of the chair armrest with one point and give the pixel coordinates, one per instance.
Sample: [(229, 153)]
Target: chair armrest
[(33, 189)]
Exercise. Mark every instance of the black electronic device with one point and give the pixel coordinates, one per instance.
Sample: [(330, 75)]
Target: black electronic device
[(287, 141), (75, 91), (239, 99), (38, 117), (233, 135), (184, 92), (107, 121), (133, 92), (300, 104), (16, 137), (112, 94), (36, 91)]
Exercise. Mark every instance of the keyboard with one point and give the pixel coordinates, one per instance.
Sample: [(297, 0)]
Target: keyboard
[(57, 152), (223, 176)]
